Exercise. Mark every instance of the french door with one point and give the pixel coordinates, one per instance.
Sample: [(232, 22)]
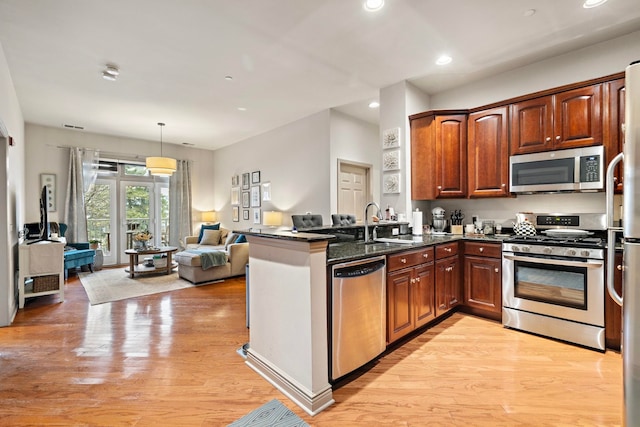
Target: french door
[(117, 209)]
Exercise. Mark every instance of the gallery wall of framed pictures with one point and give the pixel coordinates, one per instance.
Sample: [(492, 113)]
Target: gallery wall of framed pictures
[(248, 192)]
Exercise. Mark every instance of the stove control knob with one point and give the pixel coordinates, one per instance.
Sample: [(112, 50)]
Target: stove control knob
[(515, 248), (546, 250), (585, 253), (572, 252), (526, 249)]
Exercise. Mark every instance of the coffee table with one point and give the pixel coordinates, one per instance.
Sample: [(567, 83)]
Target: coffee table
[(136, 268)]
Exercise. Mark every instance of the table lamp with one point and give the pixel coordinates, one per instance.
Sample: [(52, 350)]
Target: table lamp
[(208, 216), (272, 219)]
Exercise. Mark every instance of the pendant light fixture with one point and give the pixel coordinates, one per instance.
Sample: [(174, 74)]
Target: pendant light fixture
[(161, 166)]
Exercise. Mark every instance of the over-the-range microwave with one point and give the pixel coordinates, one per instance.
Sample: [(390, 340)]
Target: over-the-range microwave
[(575, 169)]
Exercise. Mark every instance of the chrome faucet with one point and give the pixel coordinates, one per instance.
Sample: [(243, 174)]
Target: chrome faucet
[(366, 219)]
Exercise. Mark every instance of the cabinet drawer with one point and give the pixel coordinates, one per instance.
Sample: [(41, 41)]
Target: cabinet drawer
[(409, 259), (446, 250), (489, 250)]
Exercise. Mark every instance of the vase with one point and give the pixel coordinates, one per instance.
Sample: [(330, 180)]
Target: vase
[(140, 245)]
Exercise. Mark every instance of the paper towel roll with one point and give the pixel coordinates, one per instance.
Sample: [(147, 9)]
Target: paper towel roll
[(417, 223)]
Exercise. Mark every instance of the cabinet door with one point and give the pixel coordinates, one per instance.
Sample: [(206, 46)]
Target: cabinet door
[(423, 159), (577, 118), (451, 156), (612, 311), (489, 153), (447, 284), (400, 310), (424, 294), (532, 125), (616, 94), (483, 283)]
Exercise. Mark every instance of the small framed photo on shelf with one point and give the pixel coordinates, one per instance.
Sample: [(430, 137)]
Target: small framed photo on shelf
[(255, 177), (236, 213), (235, 195), (255, 196), (245, 181), (245, 199), (245, 214), (256, 216)]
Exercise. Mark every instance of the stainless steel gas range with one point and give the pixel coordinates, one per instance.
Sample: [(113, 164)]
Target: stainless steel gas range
[(553, 283)]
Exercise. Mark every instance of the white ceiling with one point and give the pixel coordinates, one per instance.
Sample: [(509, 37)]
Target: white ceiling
[(288, 58)]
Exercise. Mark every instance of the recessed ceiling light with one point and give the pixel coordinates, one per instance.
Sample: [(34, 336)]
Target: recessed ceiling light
[(444, 60), (373, 5), (529, 12), (228, 78), (242, 109), (588, 4), (374, 104), (111, 72)]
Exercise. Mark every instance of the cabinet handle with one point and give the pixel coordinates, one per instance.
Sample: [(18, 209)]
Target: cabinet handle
[(449, 269), (481, 249), (413, 280), (619, 267), (558, 138), (548, 138), (504, 185), (496, 270), (403, 260), (447, 249), (615, 179), (417, 279), (425, 255)]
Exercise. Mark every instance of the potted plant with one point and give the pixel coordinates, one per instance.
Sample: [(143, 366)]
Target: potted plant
[(94, 244)]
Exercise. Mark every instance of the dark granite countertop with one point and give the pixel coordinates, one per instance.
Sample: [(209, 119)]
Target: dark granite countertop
[(349, 251)]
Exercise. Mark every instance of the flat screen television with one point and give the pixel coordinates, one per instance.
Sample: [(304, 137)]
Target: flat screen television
[(44, 220)]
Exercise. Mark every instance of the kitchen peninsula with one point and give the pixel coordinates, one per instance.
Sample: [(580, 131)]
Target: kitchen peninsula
[(288, 307)]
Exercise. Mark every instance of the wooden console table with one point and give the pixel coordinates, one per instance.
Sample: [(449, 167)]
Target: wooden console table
[(136, 268)]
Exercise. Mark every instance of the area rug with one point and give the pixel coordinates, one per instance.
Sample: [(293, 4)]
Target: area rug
[(114, 284), (273, 413)]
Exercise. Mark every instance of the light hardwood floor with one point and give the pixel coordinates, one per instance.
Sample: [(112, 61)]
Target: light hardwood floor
[(170, 359)]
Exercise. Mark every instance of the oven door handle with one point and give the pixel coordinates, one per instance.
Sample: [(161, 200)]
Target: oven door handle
[(588, 264)]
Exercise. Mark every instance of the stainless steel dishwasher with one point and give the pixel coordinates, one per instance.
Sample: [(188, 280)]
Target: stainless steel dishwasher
[(358, 314)]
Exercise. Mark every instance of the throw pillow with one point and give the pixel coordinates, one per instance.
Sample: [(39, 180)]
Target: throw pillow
[(231, 237), (210, 237), (207, 227), (241, 239), (224, 232)]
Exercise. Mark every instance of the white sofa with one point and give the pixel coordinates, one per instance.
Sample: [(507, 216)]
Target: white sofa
[(190, 264)]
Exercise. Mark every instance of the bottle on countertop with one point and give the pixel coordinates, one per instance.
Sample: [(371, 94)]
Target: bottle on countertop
[(387, 213)]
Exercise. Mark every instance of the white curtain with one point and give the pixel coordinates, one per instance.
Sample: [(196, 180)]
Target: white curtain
[(180, 203), (83, 169)]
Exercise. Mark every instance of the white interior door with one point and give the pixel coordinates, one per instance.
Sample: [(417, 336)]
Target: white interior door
[(353, 189)]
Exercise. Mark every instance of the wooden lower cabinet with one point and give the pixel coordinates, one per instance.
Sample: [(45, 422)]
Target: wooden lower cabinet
[(483, 278), (612, 311), (410, 292), (447, 278)]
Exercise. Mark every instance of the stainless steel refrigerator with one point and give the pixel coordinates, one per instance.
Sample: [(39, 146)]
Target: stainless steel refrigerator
[(630, 299)]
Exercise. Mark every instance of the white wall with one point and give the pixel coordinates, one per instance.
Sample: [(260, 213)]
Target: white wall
[(294, 158), (355, 141), (11, 193), (47, 152)]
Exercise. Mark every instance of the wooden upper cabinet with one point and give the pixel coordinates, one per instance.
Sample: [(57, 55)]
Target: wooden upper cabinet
[(438, 155), (488, 153), (531, 125), (568, 119), (615, 140), (578, 118)]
